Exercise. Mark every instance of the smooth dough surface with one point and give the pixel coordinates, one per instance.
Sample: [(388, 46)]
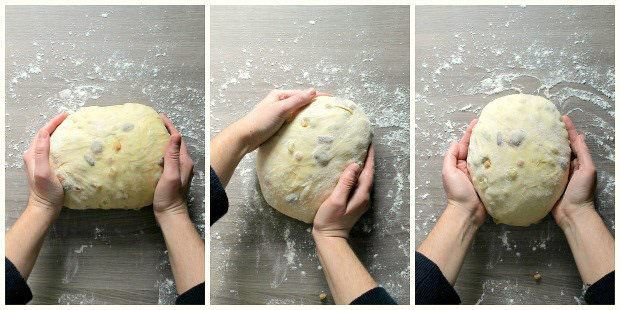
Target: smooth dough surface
[(518, 158), (109, 157), (300, 165)]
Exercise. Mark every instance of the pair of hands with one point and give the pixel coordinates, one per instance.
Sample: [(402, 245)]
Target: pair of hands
[(46, 191), (350, 197), (578, 196)]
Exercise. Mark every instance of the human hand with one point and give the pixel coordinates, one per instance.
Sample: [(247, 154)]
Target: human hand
[(45, 188), (270, 114), (178, 171), (457, 180), (348, 201), (579, 194)]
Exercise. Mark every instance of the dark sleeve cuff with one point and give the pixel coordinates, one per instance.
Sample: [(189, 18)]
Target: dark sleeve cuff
[(219, 200), (602, 292), (376, 296), (193, 296), (431, 286), (16, 289)]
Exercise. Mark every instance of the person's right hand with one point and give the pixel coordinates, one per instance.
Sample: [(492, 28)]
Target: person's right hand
[(347, 202), (45, 188), (270, 114), (579, 194), (457, 180)]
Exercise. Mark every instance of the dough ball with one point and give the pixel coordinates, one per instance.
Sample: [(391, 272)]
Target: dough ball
[(300, 165), (109, 157), (518, 158)]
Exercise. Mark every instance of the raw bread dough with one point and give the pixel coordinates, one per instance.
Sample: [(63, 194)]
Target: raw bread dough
[(300, 165), (109, 157), (519, 158)]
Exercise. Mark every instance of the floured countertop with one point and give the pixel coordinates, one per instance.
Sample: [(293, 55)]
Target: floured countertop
[(466, 56), (259, 256), (59, 58)]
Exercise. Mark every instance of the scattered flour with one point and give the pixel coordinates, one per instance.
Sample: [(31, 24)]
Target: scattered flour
[(283, 248), (457, 75), (88, 63)]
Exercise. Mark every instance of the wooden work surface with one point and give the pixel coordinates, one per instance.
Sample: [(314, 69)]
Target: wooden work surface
[(259, 256), (62, 57), (467, 56)]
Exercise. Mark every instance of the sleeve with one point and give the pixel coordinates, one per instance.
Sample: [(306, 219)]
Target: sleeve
[(16, 289), (219, 200), (431, 286), (193, 296), (602, 292), (376, 296)]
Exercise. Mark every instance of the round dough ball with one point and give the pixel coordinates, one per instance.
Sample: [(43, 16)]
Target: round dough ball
[(300, 165), (518, 158), (109, 157)]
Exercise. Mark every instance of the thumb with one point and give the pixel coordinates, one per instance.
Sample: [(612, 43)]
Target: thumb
[(297, 101), (42, 151), (346, 183), (450, 159), (172, 156)]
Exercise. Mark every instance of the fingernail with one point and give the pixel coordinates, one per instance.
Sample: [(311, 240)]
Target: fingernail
[(311, 90)]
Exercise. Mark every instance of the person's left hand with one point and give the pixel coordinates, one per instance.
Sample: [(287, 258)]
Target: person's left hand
[(348, 201), (176, 178), (579, 194), (45, 188)]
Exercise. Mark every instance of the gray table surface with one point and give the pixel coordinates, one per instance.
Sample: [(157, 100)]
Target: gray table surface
[(467, 56), (259, 256), (62, 57)]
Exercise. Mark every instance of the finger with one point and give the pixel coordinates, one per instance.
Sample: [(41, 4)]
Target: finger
[(280, 94), (359, 203), (450, 159), (574, 165), (51, 126), (171, 158), (583, 152), (570, 127), (361, 195), (573, 136), (297, 101), (186, 163), (366, 176), (578, 144), (285, 94), (42, 153), (463, 146), (462, 165), (186, 183), (320, 93), (346, 183), (168, 123), (28, 157)]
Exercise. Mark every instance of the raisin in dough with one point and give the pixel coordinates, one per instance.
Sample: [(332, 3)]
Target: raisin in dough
[(109, 157), (519, 158), (300, 165)]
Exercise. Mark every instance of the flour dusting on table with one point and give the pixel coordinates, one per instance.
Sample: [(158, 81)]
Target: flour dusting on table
[(87, 63), (504, 51), (298, 58)]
